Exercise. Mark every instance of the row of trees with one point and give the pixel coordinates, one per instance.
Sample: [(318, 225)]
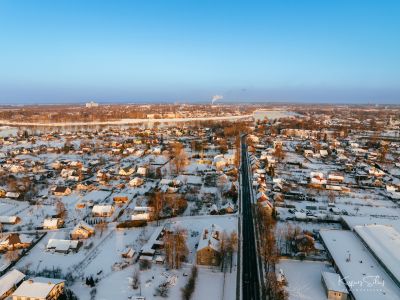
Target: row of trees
[(188, 289), (229, 244), (166, 204), (269, 252)]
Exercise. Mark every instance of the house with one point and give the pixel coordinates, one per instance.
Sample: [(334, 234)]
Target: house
[(13, 195), (334, 287), (155, 242), (120, 199), (213, 210), (261, 197), (17, 169), (9, 282), (318, 180), (323, 153), (336, 177), (53, 223), (62, 191), (209, 248), (9, 219), (308, 153), (81, 231), (142, 213), (142, 171), (220, 161), (160, 259), (39, 288), (126, 171), (63, 246), (228, 208), (135, 182), (128, 253), (103, 210), (14, 241), (192, 180)]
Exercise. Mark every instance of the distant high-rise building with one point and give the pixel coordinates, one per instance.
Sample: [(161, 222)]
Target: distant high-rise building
[(92, 104)]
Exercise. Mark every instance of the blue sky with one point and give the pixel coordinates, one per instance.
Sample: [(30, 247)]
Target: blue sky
[(312, 51)]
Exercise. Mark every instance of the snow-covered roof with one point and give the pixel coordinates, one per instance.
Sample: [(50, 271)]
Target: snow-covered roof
[(165, 181), (358, 266), (9, 280), (191, 179), (210, 237), (8, 219), (148, 247), (101, 209), (50, 222), (62, 245), (38, 287), (25, 238), (333, 282), (136, 181), (384, 242), (84, 225), (143, 208)]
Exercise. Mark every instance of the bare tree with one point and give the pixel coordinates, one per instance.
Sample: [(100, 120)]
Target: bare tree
[(11, 255), (156, 201), (180, 158), (383, 150), (61, 210), (136, 279), (279, 153), (222, 182), (175, 248), (331, 197)]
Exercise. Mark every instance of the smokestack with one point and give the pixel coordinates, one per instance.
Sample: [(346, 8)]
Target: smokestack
[(216, 98)]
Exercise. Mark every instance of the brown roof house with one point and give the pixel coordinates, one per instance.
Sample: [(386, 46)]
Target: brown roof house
[(126, 171), (209, 248), (82, 231), (62, 191), (14, 241)]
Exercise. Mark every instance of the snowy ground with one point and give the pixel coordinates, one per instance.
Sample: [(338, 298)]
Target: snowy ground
[(304, 279), (211, 283)]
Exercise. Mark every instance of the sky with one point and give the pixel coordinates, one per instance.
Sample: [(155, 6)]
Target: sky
[(65, 51)]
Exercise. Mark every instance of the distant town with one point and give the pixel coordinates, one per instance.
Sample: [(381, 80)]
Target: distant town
[(200, 201)]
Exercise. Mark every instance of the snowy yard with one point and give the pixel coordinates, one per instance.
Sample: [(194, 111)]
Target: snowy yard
[(304, 278)]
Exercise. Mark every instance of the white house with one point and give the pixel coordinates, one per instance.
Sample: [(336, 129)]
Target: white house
[(142, 171), (62, 246), (137, 181), (334, 287), (39, 288), (9, 282), (103, 210), (52, 223)]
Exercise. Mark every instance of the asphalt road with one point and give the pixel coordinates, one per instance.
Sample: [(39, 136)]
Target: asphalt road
[(250, 284)]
